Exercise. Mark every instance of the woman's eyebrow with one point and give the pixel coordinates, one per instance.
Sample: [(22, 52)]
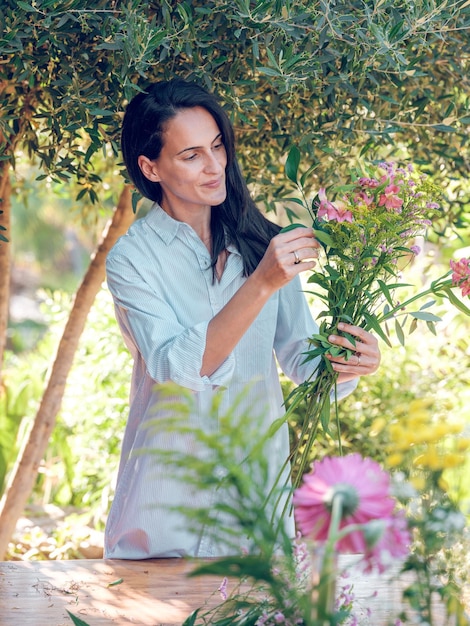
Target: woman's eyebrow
[(198, 147)]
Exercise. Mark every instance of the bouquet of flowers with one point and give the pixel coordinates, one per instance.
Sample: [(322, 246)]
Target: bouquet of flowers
[(368, 233)]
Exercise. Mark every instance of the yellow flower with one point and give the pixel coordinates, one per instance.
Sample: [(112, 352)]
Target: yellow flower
[(455, 428), (443, 429), (422, 436), (418, 416), (443, 484), (395, 428), (452, 460), (462, 444), (421, 403), (401, 409), (377, 426), (393, 460), (418, 482), (430, 459)]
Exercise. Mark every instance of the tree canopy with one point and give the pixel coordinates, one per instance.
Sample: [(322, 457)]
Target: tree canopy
[(340, 79)]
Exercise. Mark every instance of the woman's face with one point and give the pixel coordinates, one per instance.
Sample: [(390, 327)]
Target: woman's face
[(191, 165)]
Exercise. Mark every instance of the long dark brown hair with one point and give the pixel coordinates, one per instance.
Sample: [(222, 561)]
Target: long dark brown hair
[(238, 218)]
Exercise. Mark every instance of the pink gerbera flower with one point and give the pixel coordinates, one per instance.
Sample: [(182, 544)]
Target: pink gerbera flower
[(390, 199), (365, 491), (461, 275)]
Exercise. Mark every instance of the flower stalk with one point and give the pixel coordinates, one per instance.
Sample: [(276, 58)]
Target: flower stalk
[(324, 603)]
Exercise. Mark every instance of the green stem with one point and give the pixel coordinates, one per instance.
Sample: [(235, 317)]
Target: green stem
[(316, 402), (299, 397), (327, 584), (435, 287)]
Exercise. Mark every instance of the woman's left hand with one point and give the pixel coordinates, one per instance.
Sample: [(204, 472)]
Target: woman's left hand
[(366, 353)]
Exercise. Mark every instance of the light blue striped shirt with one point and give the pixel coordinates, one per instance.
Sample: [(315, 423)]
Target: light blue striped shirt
[(160, 277)]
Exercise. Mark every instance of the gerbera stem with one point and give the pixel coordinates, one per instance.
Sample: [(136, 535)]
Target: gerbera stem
[(324, 608)]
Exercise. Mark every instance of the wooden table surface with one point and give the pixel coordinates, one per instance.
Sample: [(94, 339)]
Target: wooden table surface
[(152, 593)]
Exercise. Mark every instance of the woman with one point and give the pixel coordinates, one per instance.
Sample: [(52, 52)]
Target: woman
[(207, 295)]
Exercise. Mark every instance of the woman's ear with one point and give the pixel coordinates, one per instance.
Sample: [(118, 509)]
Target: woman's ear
[(148, 168)]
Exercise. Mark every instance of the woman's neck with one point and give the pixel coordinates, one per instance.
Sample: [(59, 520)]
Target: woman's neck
[(199, 220)]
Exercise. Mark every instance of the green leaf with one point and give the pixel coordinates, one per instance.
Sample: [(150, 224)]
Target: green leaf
[(269, 71), (101, 112), (386, 292), (427, 317), (395, 30), (26, 7), (349, 337), (457, 302), (323, 237), (136, 197), (253, 566), (427, 305), (277, 424), (443, 128), (336, 350), (319, 337), (318, 279), (296, 200), (399, 332), (334, 274), (286, 229), (325, 415), (191, 620), (373, 324), (292, 164), (76, 620)]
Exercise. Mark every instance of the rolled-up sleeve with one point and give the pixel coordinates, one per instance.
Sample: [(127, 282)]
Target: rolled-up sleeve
[(171, 351)]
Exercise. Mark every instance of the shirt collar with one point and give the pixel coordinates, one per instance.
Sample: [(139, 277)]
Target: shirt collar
[(167, 228), (163, 224)]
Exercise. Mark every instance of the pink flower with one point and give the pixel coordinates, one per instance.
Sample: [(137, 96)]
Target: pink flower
[(342, 214), (461, 275), (364, 487), (415, 250), (393, 543), (389, 198), (334, 212), (363, 198), (371, 183), (326, 207), (223, 589)]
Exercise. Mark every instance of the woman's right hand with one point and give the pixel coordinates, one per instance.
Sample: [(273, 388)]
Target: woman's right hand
[(288, 254)]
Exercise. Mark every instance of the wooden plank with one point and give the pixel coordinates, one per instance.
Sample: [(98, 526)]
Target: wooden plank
[(37, 593), (152, 593)]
